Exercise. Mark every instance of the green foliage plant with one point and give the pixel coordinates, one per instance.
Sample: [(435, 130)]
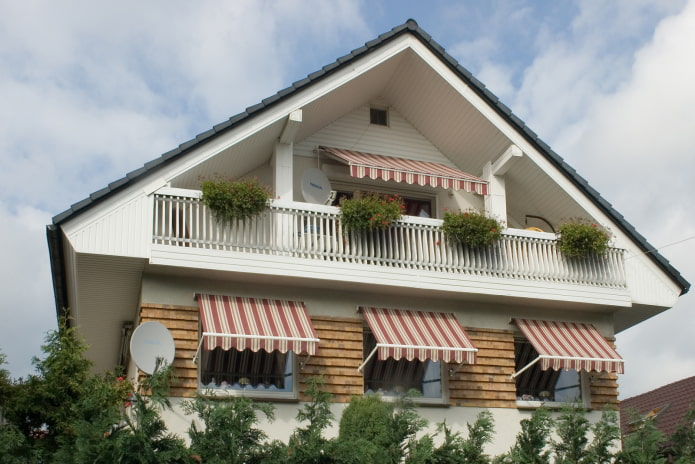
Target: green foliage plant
[(532, 442), (606, 432), (307, 445), (683, 439), (643, 445), (372, 430), (234, 199), (579, 238), (571, 428), (454, 449), (230, 433), (370, 212), (471, 228)]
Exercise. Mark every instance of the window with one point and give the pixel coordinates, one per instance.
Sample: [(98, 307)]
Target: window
[(535, 384), (398, 377), (421, 207), (378, 116), (247, 371), (248, 345)]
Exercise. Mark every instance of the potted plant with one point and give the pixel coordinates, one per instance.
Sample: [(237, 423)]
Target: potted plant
[(579, 238), (370, 211), (471, 227), (231, 199)]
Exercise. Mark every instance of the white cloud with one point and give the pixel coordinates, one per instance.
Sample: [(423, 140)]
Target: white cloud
[(27, 306)]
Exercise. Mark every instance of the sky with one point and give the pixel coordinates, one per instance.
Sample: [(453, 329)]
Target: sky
[(92, 90)]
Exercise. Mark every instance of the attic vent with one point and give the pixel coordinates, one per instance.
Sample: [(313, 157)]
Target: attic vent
[(378, 116)]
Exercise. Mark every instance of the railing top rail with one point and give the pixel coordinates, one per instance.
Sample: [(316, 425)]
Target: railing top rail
[(287, 205)]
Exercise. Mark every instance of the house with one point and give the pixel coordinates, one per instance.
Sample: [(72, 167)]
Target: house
[(668, 405), (398, 309)]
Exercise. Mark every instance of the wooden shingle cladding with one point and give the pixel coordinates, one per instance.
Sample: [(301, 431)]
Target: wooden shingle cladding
[(339, 355), (182, 322), (486, 384)]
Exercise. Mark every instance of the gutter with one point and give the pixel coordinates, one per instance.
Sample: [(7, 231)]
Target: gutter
[(54, 237)]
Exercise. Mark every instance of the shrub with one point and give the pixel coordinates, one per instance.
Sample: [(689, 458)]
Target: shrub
[(471, 228), (579, 238), (370, 212), (231, 200)]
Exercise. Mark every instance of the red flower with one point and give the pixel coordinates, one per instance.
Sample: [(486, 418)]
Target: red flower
[(593, 225), (438, 242), (120, 379)]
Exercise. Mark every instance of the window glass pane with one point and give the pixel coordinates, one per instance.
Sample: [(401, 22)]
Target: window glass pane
[(247, 370)]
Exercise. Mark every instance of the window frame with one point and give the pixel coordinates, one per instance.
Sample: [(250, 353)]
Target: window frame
[(292, 395), (349, 188), (584, 384), (443, 399)]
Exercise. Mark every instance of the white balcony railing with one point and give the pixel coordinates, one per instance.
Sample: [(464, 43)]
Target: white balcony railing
[(310, 231)]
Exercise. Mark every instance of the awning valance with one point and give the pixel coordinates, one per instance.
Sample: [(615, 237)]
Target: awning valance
[(408, 171), (233, 322), (569, 345), (418, 335)]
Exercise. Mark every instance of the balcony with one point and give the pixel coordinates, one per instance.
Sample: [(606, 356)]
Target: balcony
[(313, 232)]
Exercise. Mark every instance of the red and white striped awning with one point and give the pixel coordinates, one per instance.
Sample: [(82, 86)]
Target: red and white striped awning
[(256, 323), (569, 345), (418, 335), (408, 171)]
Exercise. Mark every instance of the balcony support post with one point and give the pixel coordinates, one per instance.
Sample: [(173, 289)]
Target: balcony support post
[(282, 157), (496, 199)]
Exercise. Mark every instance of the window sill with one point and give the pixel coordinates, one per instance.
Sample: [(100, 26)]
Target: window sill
[(522, 404), (418, 400), (249, 393)]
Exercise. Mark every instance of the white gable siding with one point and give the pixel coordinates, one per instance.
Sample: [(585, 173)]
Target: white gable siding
[(119, 228), (354, 132)]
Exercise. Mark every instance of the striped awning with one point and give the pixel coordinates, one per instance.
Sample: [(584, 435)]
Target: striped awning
[(233, 322), (569, 345), (418, 335), (408, 171)]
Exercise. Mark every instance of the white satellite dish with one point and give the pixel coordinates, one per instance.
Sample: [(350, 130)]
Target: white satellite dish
[(151, 341), (316, 188)]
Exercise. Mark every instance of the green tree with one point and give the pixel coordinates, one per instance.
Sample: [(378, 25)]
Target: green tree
[(307, 445), (230, 433), (571, 427), (44, 405), (375, 431), (683, 439), (606, 432), (643, 445), (532, 441), (455, 449)]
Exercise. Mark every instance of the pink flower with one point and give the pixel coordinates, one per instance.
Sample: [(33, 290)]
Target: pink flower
[(120, 379), (438, 242)]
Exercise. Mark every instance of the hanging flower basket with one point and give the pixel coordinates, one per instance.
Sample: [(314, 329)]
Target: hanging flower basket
[(370, 212), (471, 228), (579, 238), (231, 200)]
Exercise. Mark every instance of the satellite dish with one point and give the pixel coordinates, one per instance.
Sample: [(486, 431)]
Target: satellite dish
[(316, 187), (151, 341)]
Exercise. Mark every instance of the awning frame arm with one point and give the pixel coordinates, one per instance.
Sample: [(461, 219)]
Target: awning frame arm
[(359, 369), (453, 370), (514, 375)]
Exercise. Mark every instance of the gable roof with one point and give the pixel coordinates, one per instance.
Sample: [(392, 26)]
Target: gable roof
[(669, 403), (409, 27)]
